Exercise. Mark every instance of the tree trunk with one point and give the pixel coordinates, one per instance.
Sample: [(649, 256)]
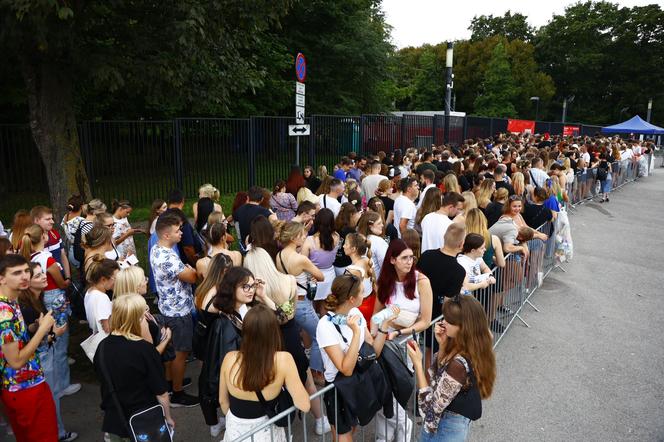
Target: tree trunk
[(53, 127)]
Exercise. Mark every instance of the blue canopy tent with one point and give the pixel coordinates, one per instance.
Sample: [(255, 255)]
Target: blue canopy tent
[(635, 125)]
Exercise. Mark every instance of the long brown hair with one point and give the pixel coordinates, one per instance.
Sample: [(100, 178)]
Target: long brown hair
[(261, 339), (473, 340), (21, 222), (31, 237)]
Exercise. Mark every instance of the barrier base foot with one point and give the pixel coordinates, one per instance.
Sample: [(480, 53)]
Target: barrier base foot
[(532, 305), (559, 267), (521, 319)]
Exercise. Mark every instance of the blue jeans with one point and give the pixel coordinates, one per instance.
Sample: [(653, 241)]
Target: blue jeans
[(306, 317), (46, 354), (451, 428), (56, 301)]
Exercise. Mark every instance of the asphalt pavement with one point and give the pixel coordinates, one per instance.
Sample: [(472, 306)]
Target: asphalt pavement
[(590, 366)]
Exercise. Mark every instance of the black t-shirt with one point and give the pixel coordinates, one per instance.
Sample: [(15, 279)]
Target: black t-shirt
[(464, 183), (343, 260), (137, 376), (391, 231), (426, 166), (444, 166), (493, 211), (445, 274), (535, 215), (506, 185), (245, 214), (388, 203)]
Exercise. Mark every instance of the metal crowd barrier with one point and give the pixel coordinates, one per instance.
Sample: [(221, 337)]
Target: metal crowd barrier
[(584, 187), (503, 302)]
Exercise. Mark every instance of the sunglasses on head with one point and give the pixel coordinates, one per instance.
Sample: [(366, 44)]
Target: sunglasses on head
[(355, 280)]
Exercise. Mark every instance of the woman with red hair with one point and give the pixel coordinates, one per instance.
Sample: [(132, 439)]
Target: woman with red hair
[(400, 285)]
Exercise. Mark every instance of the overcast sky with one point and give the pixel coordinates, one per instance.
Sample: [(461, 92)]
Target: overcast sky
[(416, 22)]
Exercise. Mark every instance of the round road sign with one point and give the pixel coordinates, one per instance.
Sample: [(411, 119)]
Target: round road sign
[(300, 67)]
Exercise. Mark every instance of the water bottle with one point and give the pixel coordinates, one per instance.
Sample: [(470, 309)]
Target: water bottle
[(382, 315)]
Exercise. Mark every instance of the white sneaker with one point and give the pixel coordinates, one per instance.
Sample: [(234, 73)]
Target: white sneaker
[(322, 426), (72, 389), (216, 429)]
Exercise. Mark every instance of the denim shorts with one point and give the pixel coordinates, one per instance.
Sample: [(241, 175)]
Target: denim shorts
[(451, 428)]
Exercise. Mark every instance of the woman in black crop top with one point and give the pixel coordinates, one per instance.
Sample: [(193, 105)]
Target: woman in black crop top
[(258, 367), (462, 373)]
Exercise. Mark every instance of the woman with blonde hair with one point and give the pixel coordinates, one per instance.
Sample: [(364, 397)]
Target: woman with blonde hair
[(358, 248), (208, 202), (372, 226), (451, 183), (135, 380), (22, 221), (485, 194), (519, 185)]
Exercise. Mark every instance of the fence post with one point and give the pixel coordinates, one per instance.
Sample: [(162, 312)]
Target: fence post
[(362, 121), (491, 126), (403, 133), (84, 143), (177, 154), (434, 129), (312, 142), (465, 128), (251, 164)]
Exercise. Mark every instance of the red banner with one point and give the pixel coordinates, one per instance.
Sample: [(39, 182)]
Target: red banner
[(571, 130), (521, 126)]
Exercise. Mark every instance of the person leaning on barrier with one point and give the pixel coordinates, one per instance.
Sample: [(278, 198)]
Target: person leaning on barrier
[(259, 367), (462, 373)]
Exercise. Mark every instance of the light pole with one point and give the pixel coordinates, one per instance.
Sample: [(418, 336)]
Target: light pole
[(449, 84), (649, 110), (537, 100), (566, 101)]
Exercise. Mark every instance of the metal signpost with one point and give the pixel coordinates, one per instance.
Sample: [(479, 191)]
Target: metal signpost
[(299, 129)]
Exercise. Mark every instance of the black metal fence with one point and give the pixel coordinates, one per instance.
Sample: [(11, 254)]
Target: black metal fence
[(142, 160)]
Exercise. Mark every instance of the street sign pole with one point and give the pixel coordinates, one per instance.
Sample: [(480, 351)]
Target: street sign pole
[(299, 129)]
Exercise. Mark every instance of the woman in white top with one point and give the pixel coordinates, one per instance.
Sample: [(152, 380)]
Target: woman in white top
[(101, 278), (340, 334), (400, 285), (357, 247), (478, 274), (123, 232), (372, 226)]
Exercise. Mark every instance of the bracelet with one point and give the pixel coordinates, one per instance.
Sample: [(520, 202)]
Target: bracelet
[(398, 332), (382, 331)]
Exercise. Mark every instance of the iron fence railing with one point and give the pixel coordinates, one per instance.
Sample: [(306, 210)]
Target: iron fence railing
[(141, 160)]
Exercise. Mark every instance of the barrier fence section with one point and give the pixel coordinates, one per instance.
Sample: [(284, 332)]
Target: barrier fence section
[(140, 160), (503, 302)]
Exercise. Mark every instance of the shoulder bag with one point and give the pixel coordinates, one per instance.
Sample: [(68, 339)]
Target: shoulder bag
[(199, 341), (146, 425), (282, 403)]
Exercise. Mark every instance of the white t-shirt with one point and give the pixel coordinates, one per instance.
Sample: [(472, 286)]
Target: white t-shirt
[(327, 335), (378, 250), (473, 268), (97, 308), (328, 202), (370, 184), (404, 208), (434, 226)]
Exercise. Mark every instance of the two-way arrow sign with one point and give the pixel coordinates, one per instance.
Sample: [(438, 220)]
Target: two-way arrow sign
[(298, 130)]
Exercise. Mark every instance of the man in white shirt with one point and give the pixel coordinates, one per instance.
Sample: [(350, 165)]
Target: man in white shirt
[(404, 207), (370, 182), (435, 224), (329, 201), (537, 173), (428, 176)]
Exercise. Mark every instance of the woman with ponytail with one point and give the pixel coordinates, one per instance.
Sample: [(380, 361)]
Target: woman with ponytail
[(358, 248), (340, 333), (123, 233), (216, 236), (462, 372)]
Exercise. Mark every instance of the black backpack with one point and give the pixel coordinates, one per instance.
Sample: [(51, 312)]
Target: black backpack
[(79, 251)]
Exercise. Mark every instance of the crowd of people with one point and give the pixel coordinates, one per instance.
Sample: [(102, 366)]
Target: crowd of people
[(288, 289)]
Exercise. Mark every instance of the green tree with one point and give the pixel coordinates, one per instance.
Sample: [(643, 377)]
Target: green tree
[(498, 89), (511, 26), (174, 55), (429, 93), (608, 57)]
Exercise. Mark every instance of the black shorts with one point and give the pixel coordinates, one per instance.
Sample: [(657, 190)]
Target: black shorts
[(182, 331), (339, 416)]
